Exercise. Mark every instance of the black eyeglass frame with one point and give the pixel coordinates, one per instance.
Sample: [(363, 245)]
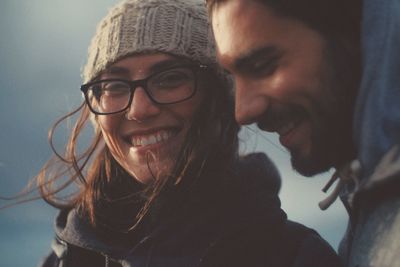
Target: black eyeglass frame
[(142, 83)]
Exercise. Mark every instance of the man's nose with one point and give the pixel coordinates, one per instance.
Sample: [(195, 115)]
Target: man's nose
[(142, 107), (250, 102)]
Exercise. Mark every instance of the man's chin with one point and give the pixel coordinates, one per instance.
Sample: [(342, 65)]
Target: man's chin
[(308, 166)]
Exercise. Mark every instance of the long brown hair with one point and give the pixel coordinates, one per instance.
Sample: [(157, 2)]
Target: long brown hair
[(211, 142)]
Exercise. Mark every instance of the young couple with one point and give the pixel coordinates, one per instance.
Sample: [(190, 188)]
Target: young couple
[(162, 184)]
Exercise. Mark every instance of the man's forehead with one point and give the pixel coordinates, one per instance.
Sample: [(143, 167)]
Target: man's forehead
[(238, 30), (226, 17)]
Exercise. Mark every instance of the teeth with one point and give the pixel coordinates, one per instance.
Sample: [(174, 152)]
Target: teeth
[(286, 128), (164, 135), (159, 137), (151, 139)]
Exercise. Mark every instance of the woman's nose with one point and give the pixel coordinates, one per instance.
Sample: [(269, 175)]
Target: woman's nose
[(142, 107)]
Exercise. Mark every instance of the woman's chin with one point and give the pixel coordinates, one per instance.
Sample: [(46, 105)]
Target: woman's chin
[(151, 172)]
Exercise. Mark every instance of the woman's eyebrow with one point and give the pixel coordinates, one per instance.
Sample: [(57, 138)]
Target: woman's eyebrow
[(115, 70), (159, 66), (168, 63)]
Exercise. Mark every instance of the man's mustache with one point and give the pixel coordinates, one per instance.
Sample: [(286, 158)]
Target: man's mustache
[(276, 116)]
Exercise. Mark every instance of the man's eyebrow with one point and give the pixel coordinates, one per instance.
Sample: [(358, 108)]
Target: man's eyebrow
[(243, 61)]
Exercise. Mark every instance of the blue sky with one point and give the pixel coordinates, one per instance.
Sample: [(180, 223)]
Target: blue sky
[(42, 49)]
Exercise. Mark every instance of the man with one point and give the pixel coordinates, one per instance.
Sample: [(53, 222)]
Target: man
[(297, 72), (292, 77)]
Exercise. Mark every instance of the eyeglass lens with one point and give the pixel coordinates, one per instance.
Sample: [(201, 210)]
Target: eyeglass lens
[(165, 87)]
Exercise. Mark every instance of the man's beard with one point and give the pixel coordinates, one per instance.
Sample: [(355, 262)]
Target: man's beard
[(331, 143), (320, 158), (332, 125), (330, 138)]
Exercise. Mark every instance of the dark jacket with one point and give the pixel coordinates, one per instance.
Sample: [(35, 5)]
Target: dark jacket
[(235, 221)]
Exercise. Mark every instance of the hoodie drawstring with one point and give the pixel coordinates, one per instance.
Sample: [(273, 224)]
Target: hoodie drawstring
[(106, 260), (349, 172)]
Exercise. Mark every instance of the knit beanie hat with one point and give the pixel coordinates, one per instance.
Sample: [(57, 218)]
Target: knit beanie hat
[(177, 27)]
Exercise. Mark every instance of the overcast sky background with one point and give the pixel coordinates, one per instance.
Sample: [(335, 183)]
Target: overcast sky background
[(43, 46)]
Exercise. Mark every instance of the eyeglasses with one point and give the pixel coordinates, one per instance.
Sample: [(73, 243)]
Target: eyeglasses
[(168, 86)]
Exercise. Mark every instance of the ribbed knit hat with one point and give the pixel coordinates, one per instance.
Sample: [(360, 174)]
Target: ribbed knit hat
[(178, 27)]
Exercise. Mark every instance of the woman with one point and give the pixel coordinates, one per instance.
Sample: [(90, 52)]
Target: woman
[(162, 183)]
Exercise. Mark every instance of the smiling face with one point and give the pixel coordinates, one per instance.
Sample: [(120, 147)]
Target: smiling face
[(146, 138), (285, 81)]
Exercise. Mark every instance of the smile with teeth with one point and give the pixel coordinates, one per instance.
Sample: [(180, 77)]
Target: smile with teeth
[(286, 128), (151, 139)]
